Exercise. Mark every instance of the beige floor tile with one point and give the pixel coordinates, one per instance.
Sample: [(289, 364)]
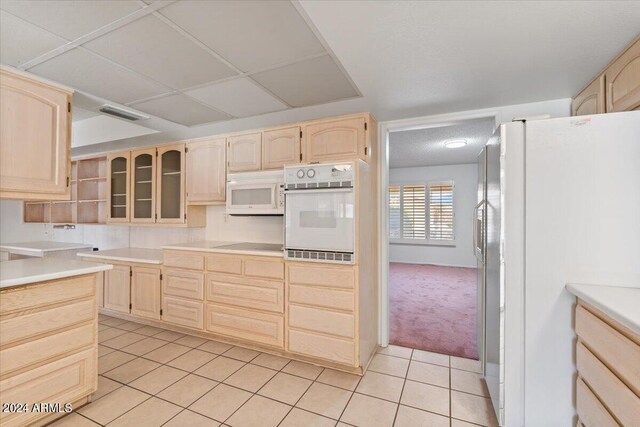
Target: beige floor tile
[(240, 353), (110, 334), (469, 382), (411, 417), (259, 412), (157, 380), (250, 377), (149, 330), (167, 352), (368, 411), (151, 413), (325, 400), (215, 347), (220, 368), (426, 396), (430, 357), (299, 418), (102, 327), (471, 408), (397, 351), (466, 364), (113, 321), (123, 340), (74, 420), (103, 317), (113, 405), (103, 351), (389, 365), (187, 390), (169, 335), (105, 386), (270, 361), (130, 326), (301, 369), (191, 360), (285, 388), (190, 341), (428, 373), (380, 385), (144, 346), (220, 402), (459, 423), (339, 379), (113, 360), (187, 418), (131, 370)]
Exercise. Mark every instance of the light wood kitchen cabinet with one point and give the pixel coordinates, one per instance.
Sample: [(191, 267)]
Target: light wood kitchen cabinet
[(35, 139), (254, 326), (339, 139), (183, 312), (622, 80), (145, 292), (171, 184), (118, 186), (143, 185), (206, 171), (281, 147), (590, 100), (244, 152), (182, 283), (117, 288)]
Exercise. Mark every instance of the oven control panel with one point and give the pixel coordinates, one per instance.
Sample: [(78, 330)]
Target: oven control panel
[(343, 172)]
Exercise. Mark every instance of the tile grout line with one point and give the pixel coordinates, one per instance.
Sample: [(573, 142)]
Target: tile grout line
[(404, 382)]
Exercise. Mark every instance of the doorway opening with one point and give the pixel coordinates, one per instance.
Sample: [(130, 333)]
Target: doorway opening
[(434, 282)]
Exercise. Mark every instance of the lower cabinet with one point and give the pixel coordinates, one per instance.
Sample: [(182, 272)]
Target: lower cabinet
[(183, 312), (145, 292), (259, 327), (117, 289)]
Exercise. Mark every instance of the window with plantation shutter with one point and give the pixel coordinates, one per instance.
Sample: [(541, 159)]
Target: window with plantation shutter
[(395, 212), (413, 212), (441, 212)]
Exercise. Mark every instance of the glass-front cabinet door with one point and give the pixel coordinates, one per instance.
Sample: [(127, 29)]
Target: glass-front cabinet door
[(118, 169), (171, 184), (143, 185)]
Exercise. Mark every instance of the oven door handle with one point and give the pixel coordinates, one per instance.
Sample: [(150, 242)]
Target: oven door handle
[(320, 190)]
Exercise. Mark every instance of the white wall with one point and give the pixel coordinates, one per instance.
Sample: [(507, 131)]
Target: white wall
[(465, 178)]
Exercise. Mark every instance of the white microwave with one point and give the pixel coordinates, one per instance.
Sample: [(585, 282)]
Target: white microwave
[(255, 193)]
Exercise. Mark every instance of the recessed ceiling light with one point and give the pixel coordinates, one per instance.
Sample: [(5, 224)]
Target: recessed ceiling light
[(455, 143)]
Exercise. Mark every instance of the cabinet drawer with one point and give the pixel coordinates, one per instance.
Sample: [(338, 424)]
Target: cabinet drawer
[(329, 348), (183, 312), (329, 276), (328, 322), (616, 396), (226, 264), (186, 284), (183, 260), (589, 408), (62, 381), (262, 328), (47, 293), (45, 321), (250, 293), (39, 350), (620, 354), (322, 297), (264, 268)]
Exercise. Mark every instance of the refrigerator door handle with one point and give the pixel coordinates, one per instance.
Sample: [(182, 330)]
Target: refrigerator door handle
[(475, 229)]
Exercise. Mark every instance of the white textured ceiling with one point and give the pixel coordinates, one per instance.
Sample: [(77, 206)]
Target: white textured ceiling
[(425, 147)]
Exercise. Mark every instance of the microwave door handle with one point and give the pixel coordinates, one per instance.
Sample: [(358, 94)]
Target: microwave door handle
[(321, 190)]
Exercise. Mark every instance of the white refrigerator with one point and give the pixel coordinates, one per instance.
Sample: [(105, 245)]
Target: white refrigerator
[(560, 204)]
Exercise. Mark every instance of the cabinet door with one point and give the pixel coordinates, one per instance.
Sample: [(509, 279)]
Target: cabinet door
[(244, 152), (118, 170), (171, 183), (117, 296), (623, 81), (145, 292), (590, 100), (143, 185), (280, 147), (35, 139), (206, 171), (334, 140)]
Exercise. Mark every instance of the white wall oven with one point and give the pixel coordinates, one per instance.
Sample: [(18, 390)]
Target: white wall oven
[(255, 193), (320, 213)]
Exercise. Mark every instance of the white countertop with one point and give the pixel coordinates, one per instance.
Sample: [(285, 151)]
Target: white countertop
[(140, 255), (259, 249), (39, 248), (621, 304), (33, 270)]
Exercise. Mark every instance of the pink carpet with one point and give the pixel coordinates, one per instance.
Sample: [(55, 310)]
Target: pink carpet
[(433, 308)]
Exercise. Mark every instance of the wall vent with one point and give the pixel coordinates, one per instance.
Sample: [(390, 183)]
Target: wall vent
[(123, 114)]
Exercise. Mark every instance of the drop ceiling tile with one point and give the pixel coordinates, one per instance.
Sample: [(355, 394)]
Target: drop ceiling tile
[(70, 19), (238, 97), (151, 47), (250, 34), (87, 72), (21, 41), (182, 110), (310, 82)]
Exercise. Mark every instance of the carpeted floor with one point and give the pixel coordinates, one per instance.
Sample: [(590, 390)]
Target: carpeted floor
[(433, 308)]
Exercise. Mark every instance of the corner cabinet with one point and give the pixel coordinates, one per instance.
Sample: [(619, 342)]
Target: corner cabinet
[(118, 176), (206, 171), (244, 152), (281, 147), (331, 140), (171, 184), (35, 139)]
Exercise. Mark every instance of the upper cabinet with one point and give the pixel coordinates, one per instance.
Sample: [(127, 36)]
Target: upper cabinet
[(118, 176), (281, 147), (590, 100), (206, 171), (143, 185), (244, 152), (35, 139), (338, 139), (171, 184)]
